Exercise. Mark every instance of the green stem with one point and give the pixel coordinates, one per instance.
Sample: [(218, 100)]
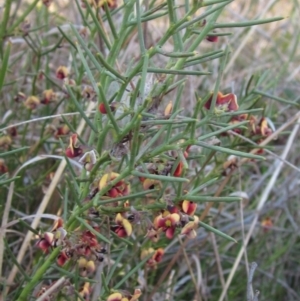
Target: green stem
[(139, 26), (4, 24), (24, 296)]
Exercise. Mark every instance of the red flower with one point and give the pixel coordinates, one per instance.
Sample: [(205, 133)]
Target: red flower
[(62, 72), (62, 131), (62, 258), (188, 207), (73, 151), (267, 224), (262, 128), (226, 102), (89, 238), (189, 228), (167, 222), (48, 96), (120, 189), (156, 257), (44, 245), (123, 227)]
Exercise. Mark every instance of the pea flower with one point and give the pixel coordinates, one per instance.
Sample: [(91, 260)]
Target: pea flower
[(120, 189), (155, 258), (52, 238), (86, 266), (85, 291), (123, 227), (189, 228), (188, 207), (5, 141), (48, 96), (125, 296), (262, 128), (62, 131), (167, 222), (62, 72), (89, 159), (63, 257), (73, 150), (31, 102), (224, 103)]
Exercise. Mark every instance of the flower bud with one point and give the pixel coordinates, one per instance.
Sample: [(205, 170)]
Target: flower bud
[(212, 38), (90, 266), (168, 109)]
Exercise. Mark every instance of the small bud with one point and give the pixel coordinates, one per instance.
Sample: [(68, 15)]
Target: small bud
[(102, 108), (31, 102), (168, 109), (48, 96), (112, 106), (90, 266), (178, 170), (212, 38), (81, 262), (267, 224), (85, 291)]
